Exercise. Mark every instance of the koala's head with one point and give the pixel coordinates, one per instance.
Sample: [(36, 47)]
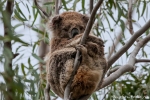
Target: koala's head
[(68, 24)]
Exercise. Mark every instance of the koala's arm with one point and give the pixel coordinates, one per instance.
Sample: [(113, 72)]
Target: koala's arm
[(94, 39)]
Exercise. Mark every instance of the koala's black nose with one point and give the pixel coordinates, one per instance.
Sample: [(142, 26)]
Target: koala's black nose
[(74, 32)]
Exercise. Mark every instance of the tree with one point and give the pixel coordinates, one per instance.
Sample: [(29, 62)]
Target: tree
[(123, 25)]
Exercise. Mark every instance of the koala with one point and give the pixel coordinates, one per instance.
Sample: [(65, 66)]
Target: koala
[(67, 30)]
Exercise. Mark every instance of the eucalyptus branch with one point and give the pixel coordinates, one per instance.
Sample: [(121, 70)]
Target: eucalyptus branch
[(142, 60), (112, 70), (83, 39), (60, 4), (56, 7), (129, 66), (41, 9), (91, 6), (130, 17), (46, 92), (128, 44)]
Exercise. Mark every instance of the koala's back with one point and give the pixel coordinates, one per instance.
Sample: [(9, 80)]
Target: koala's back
[(60, 68)]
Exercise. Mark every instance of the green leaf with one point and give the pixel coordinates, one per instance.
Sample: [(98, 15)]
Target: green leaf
[(28, 8), (17, 25), (107, 21), (83, 4), (17, 15), (122, 25), (64, 4), (18, 12), (144, 7), (120, 12), (18, 58), (75, 4), (49, 3), (34, 46), (22, 68), (35, 17), (94, 96), (38, 31), (38, 58)]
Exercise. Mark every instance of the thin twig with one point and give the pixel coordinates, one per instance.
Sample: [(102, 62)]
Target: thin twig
[(130, 17), (47, 15), (142, 60), (128, 44), (83, 39), (46, 92), (56, 7)]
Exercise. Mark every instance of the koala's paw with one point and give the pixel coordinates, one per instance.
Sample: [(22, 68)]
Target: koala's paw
[(81, 48)]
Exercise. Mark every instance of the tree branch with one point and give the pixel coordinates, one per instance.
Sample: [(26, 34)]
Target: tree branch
[(142, 60), (41, 9), (128, 44), (83, 39), (46, 92), (112, 70), (128, 67), (91, 6), (56, 7), (116, 75), (132, 59), (130, 17)]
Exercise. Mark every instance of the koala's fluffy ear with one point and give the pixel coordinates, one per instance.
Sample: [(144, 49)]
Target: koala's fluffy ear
[(56, 21), (85, 18)]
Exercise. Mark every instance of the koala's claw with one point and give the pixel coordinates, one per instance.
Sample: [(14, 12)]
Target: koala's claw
[(80, 47)]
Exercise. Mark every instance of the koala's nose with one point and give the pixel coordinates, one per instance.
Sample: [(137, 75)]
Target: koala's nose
[(74, 32)]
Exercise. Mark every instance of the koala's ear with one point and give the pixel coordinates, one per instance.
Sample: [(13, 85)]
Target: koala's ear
[(85, 18), (56, 20)]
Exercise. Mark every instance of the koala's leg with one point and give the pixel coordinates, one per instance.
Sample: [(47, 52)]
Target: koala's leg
[(46, 91)]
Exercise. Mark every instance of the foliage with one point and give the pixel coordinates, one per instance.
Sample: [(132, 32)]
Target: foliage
[(24, 76)]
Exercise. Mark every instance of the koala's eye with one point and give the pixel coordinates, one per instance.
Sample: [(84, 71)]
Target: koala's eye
[(81, 27), (65, 29)]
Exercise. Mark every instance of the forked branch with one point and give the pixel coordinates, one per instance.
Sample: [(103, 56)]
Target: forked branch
[(128, 44), (130, 66)]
